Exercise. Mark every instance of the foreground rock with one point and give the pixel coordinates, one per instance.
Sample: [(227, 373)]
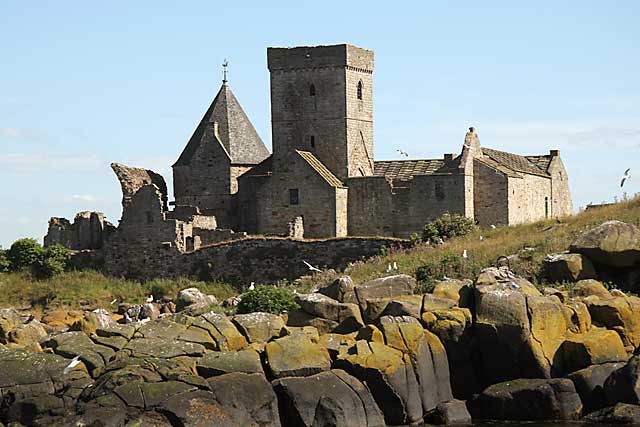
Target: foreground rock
[(621, 413), (613, 244), (623, 385), (528, 400)]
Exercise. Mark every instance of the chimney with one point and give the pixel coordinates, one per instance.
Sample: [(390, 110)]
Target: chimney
[(554, 153), (448, 157)]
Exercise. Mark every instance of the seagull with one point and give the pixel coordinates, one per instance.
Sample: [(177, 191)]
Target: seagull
[(149, 298), (481, 238), (252, 286), (127, 319), (74, 362), (625, 177), (445, 278), (441, 241), (493, 226), (514, 285), (295, 292), (311, 267), (403, 153), (395, 266), (464, 254), (388, 268), (113, 302)]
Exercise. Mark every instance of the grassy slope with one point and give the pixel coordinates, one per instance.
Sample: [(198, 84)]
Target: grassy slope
[(91, 289)]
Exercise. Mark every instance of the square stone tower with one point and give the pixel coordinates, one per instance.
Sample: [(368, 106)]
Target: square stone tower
[(322, 102)]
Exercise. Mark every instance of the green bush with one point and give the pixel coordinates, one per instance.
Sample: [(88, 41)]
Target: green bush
[(4, 261), (446, 227), (269, 299), (23, 254), (53, 260), (447, 265)]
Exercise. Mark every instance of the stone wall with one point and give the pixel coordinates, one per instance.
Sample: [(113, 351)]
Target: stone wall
[(261, 260), (529, 199), (89, 230), (491, 191), (561, 196)]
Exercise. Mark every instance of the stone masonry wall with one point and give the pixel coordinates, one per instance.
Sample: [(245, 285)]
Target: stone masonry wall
[(370, 211), (89, 230), (529, 199), (261, 260), (491, 191), (562, 204)]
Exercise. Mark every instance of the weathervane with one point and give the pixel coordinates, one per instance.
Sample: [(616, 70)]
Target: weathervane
[(225, 64)]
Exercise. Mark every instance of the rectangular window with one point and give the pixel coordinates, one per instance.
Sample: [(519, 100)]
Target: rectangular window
[(293, 196)]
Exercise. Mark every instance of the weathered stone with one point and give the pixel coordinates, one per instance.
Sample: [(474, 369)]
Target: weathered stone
[(431, 303), (58, 320), (577, 317), (585, 288), (347, 316), (259, 327), (548, 331), (124, 331), (310, 332), (225, 334), (589, 383), (163, 348), (72, 344), (452, 289), (389, 375), (528, 400), (93, 320), (621, 413), (568, 267), (225, 362), (342, 289), (408, 305), (621, 314), (190, 296), (493, 276), (198, 335), (623, 385), (370, 333), (296, 355), (331, 399), (338, 344), (164, 329), (301, 319), (613, 243), (9, 319), (28, 334), (450, 412), (596, 346)]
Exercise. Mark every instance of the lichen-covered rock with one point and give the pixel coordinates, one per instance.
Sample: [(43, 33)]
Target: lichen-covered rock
[(347, 316), (338, 344), (528, 400), (389, 374), (58, 320), (431, 303), (385, 287), (259, 327), (92, 320), (585, 288), (225, 362), (452, 289), (548, 330), (589, 383), (622, 314), (568, 267), (342, 289), (72, 344), (621, 413), (331, 399), (28, 334), (450, 412), (577, 316), (623, 385), (193, 296), (493, 276), (597, 346), (404, 305), (296, 355), (9, 319), (222, 330), (235, 400), (613, 243)]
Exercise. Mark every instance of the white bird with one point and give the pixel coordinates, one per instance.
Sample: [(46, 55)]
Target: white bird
[(388, 268), (145, 320), (295, 292), (625, 177), (395, 266), (74, 362), (311, 267), (445, 278), (127, 319), (464, 254), (514, 285), (149, 298), (252, 286), (441, 241), (113, 302), (481, 238), (493, 226)]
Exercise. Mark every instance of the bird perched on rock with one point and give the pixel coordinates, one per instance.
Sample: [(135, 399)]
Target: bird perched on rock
[(252, 286), (74, 362), (395, 266), (389, 268), (149, 298), (311, 267), (493, 226), (464, 254), (625, 177)]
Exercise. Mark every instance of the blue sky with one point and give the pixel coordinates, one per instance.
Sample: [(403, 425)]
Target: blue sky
[(83, 84)]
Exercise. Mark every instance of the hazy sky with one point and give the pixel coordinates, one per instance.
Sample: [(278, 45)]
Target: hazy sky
[(83, 84)]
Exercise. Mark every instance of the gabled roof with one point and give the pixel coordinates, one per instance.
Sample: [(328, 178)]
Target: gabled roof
[(514, 162), (235, 132), (542, 162), (404, 170), (320, 168)]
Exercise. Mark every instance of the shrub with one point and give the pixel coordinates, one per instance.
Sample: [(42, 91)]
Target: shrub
[(446, 227), (269, 299), (4, 261), (448, 265), (23, 254), (53, 260)]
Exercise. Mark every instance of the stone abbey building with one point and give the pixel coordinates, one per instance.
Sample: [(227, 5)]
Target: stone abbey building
[(321, 180)]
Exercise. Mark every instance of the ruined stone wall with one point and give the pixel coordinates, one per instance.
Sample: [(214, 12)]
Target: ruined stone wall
[(248, 202), (262, 260), (370, 211), (491, 192), (89, 230), (236, 171), (529, 199)]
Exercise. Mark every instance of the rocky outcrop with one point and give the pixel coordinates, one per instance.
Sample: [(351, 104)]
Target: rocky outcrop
[(569, 267), (623, 385), (613, 244)]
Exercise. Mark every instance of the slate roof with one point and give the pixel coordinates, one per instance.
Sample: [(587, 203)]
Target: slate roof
[(514, 162), (404, 170), (236, 133), (319, 167), (542, 162)]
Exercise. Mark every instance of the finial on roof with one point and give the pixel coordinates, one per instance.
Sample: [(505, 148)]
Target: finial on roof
[(225, 64)]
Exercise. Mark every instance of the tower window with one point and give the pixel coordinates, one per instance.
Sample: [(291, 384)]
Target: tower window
[(360, 90), (546, 207), (312, 90), (294, 196), (312, 141)]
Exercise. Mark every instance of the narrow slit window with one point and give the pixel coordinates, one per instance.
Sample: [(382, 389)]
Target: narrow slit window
[(312, 141), (312, 90), (294, 197), (360, 90), (546, 207)]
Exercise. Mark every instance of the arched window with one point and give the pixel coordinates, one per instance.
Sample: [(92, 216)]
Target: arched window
[(312, 90), (360, 89)]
